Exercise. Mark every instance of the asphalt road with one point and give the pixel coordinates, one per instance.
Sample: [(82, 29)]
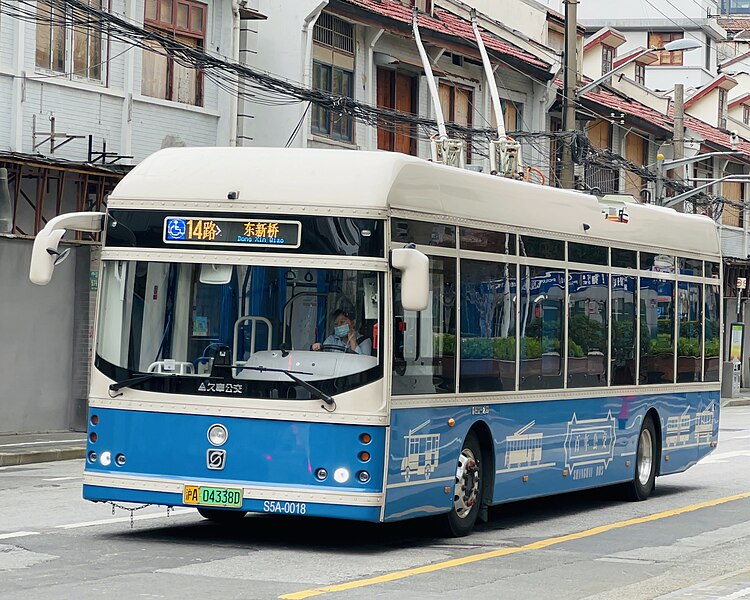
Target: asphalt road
[(690, 540)]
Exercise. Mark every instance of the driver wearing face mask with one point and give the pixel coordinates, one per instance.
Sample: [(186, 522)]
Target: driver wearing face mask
[(345, 337)]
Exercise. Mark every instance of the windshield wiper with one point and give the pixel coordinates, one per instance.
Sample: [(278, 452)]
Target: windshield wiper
[(116, 387), (321, 395)]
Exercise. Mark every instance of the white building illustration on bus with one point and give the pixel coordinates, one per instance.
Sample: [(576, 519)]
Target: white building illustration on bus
[(522, 448), (678, 429), (421, 452)]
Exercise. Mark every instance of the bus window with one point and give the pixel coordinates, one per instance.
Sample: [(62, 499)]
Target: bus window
[(587, 253), (624, 258), (424, 346), (541, 247), (425, 234), (623, 330), (487, 241), (657, 331), (713, 332), (587, 328), (488, 326), (542, 297), (689, 342)]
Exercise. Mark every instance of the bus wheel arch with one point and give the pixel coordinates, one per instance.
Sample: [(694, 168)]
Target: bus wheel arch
[(473, 482), (647, 459), (482, 431), (653, 413)]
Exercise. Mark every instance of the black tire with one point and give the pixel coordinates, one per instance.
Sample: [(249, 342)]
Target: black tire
[(646, 459), (467, 492), (221, 515)]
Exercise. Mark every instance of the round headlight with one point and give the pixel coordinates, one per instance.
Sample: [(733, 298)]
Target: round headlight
[(341, 475), (106, 458), (217, 434)]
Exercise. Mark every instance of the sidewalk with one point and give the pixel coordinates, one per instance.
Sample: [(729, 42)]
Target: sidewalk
[(26, 448)]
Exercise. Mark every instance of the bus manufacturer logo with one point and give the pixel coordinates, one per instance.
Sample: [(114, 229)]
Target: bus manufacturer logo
[(216, 459)]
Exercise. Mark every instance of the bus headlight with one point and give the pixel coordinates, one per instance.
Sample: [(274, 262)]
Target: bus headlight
[(341, 475), (106, 458), (363, 476), (217, 434)]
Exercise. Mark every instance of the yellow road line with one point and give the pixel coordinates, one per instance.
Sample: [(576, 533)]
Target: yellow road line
[(457, 562)]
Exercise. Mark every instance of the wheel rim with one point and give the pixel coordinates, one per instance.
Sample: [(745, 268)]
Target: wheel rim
[(645, 456), (466, 491)]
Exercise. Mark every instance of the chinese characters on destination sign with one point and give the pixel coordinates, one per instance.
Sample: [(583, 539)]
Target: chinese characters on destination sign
[(232, 232)]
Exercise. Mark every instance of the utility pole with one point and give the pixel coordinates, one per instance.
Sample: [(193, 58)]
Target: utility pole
[(567, 173)]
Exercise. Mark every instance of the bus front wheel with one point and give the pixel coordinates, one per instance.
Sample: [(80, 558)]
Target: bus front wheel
[(220, 515), (467, 491), (644, 480)]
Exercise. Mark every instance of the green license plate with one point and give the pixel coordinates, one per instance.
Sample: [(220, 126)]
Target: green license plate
[(212, 496)]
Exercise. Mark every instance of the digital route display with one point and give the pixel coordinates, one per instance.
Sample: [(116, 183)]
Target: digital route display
[(232, 232)]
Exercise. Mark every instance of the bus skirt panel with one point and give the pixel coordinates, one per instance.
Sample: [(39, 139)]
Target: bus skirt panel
[(543, 447)]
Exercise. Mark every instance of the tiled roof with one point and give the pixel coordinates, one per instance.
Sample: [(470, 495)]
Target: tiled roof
[(734, 23), (630, 107), (446, 23), (714, 135)]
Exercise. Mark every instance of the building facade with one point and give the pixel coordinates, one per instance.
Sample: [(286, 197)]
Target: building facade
[(81, 105)]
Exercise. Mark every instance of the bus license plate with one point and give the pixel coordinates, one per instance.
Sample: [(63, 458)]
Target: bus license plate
[(212, 496)]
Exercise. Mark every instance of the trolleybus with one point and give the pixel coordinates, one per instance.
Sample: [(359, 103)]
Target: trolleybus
[(370, 336)]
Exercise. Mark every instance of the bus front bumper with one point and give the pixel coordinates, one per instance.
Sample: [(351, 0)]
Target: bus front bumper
[(99, 487)]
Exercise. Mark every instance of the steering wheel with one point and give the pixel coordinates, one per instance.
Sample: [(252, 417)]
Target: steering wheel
[(335, 348)]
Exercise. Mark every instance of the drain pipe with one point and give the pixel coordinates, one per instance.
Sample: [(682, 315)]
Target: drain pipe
[(307, 27)]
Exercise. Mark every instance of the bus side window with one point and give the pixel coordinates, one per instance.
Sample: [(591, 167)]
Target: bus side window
[(425, 341)]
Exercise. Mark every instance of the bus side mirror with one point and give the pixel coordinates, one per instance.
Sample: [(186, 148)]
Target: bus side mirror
[(415, 277), (45, 254)]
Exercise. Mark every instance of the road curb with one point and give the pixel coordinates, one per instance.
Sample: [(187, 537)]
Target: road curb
[(8, 459), (736, 402)]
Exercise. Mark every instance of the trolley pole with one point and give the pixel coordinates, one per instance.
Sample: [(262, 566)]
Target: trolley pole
[(567, 173)]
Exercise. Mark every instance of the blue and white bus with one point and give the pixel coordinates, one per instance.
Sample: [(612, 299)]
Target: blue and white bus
[(376, 337)]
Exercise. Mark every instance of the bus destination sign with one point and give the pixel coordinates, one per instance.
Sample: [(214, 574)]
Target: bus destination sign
[(232, 232)]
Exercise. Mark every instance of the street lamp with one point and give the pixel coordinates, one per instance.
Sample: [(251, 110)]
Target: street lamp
[(681, 45)]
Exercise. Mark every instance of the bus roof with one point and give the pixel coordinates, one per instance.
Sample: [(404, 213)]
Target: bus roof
[(277, 180)]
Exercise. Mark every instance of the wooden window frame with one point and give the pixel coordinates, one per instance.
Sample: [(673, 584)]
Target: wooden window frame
[(451, 116), (640, 73), (63, 59), (746, 115), (171, 28), (608, 59), (723, 108), (327, 128), (658, 39)]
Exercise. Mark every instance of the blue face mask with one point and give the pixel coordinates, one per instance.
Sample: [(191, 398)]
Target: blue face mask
[(340, 331)]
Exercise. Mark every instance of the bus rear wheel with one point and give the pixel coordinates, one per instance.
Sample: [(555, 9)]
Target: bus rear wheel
[(220, 515), (644, 480), (467, 491)]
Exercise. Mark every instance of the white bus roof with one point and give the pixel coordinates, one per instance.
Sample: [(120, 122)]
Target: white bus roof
[(276, 180)]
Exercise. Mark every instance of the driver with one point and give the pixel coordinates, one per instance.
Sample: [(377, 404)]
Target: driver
[(345, 337)]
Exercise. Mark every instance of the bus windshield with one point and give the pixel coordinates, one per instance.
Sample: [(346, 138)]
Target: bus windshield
[(236, 329)]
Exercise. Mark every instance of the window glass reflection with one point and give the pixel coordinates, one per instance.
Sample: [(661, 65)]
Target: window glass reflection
[(488, 326)]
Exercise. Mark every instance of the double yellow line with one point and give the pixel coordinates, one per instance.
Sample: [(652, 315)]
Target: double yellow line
[(541, 544)]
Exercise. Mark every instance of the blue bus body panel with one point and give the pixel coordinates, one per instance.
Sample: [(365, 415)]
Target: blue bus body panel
[(258, 453), (542, 448)]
